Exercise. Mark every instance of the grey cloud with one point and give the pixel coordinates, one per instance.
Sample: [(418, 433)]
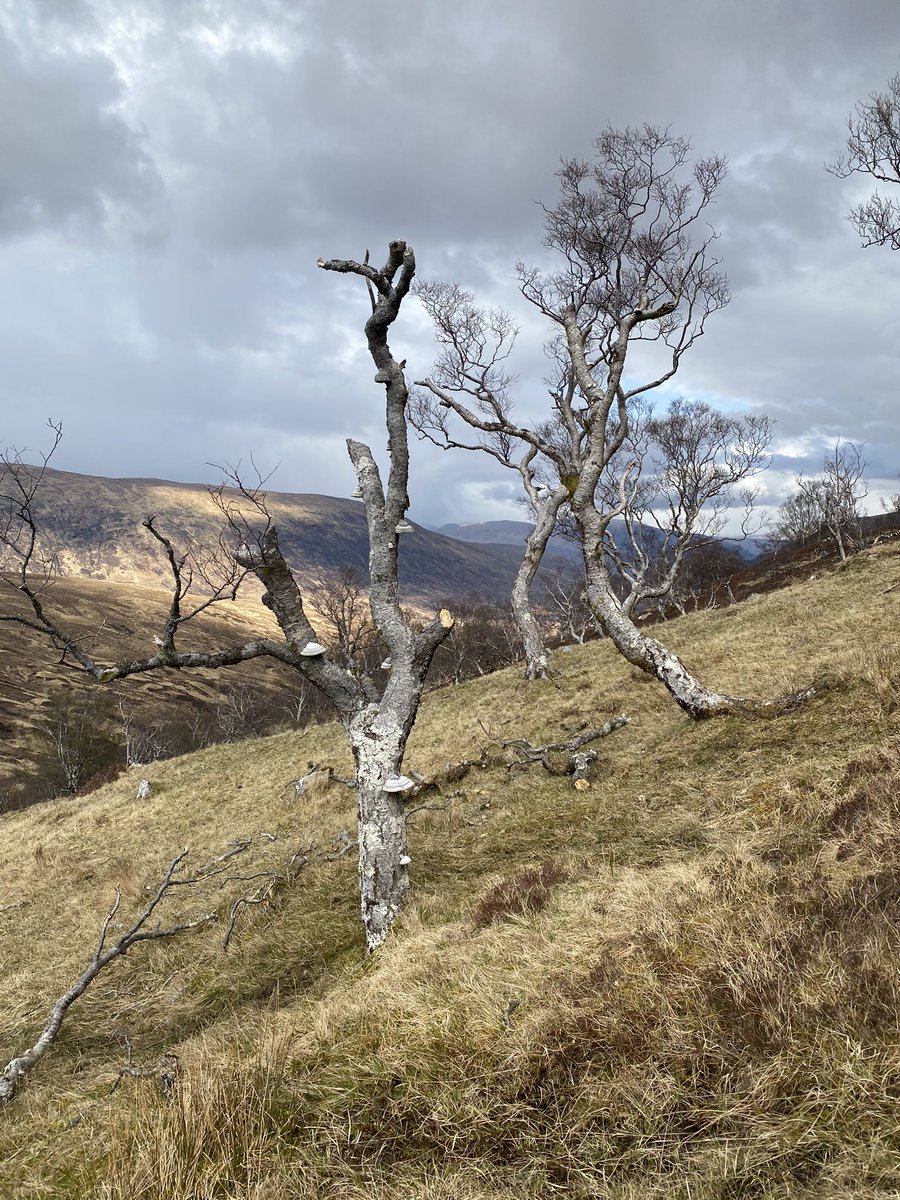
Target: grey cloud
[(68, 158), (257, 135)]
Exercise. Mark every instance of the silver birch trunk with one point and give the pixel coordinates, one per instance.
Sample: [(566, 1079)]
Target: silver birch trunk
[(647, 653), (545, 513), (378, 740)]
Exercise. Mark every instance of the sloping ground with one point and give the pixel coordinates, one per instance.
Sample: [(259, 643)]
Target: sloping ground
[(792, 564), (93, 526), (119, 620), (705, 1006)]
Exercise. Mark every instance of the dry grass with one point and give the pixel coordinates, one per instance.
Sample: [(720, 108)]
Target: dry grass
[(702, 1004)]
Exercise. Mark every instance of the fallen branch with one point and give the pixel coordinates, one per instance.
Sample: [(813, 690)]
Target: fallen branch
[(315, 773), (577, 760), (261, 896), (16, 1069), (345, 841), (166, 1071)]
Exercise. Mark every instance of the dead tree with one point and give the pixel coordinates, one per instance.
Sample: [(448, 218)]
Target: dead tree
[(637, 268), (873, 148), (377, 714)]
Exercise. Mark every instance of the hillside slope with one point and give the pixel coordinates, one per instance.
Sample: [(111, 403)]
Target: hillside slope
[(702, 1002), (93, 525)]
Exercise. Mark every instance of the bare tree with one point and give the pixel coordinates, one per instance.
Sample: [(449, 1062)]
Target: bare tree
[(637, 273), (675, 486), (377, 716), (827, 505), (873, 148), (484, 639), (342, 600), (565, 597), (469, 381), (73, 740)]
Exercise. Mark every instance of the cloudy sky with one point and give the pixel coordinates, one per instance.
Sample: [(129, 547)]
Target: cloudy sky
[(172, 169)]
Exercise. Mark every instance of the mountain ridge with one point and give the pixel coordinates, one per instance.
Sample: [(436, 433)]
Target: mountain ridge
[(92, 526)]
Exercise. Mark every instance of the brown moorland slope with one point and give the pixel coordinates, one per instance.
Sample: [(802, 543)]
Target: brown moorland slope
[(118, 619), (681, 982), (93, 526)]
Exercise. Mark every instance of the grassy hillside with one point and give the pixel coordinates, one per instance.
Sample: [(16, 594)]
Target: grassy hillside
[(701, 1002)]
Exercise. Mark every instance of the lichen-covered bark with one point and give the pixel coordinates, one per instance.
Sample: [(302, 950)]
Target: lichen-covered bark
[(546, 511), (378, 739)]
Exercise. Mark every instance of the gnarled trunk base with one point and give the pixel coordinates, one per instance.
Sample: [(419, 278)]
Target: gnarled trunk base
[(697, 700)]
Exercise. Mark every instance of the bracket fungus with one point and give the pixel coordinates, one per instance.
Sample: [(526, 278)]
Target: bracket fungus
[(398, 783), (312, 650)]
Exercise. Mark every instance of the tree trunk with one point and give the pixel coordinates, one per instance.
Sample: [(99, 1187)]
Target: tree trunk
[(536, 661), (383, 873), (545, 512), (697, 700), (649, 654), (378, 738)]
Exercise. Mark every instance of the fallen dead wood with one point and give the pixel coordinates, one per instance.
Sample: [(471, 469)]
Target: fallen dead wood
[(139, 931), (576, 761)]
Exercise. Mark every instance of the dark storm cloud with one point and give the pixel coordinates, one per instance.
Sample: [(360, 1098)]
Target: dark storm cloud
[(175, 169)]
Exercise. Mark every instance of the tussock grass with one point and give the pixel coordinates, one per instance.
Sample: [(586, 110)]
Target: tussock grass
[(702, 1003)]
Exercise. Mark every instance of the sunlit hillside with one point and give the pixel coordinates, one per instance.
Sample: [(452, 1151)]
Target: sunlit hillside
[(680, 982), (91, 525), (118, 620)]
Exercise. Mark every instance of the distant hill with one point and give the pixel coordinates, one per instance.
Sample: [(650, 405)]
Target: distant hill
[(514, 533), (508, 533), (93, 526)]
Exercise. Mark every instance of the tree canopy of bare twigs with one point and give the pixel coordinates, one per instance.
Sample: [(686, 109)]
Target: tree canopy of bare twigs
[(873, 149), (635, 284)]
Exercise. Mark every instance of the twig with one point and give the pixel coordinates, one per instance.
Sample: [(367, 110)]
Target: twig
[(345, 841), (411, 812), (508, 1012), (238, 847), (261, 896), (302, 854)]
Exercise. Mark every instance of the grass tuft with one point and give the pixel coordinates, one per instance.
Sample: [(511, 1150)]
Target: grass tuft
[(523, 893)]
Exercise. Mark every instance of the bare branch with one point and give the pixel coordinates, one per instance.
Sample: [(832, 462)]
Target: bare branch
[(139, 931)]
